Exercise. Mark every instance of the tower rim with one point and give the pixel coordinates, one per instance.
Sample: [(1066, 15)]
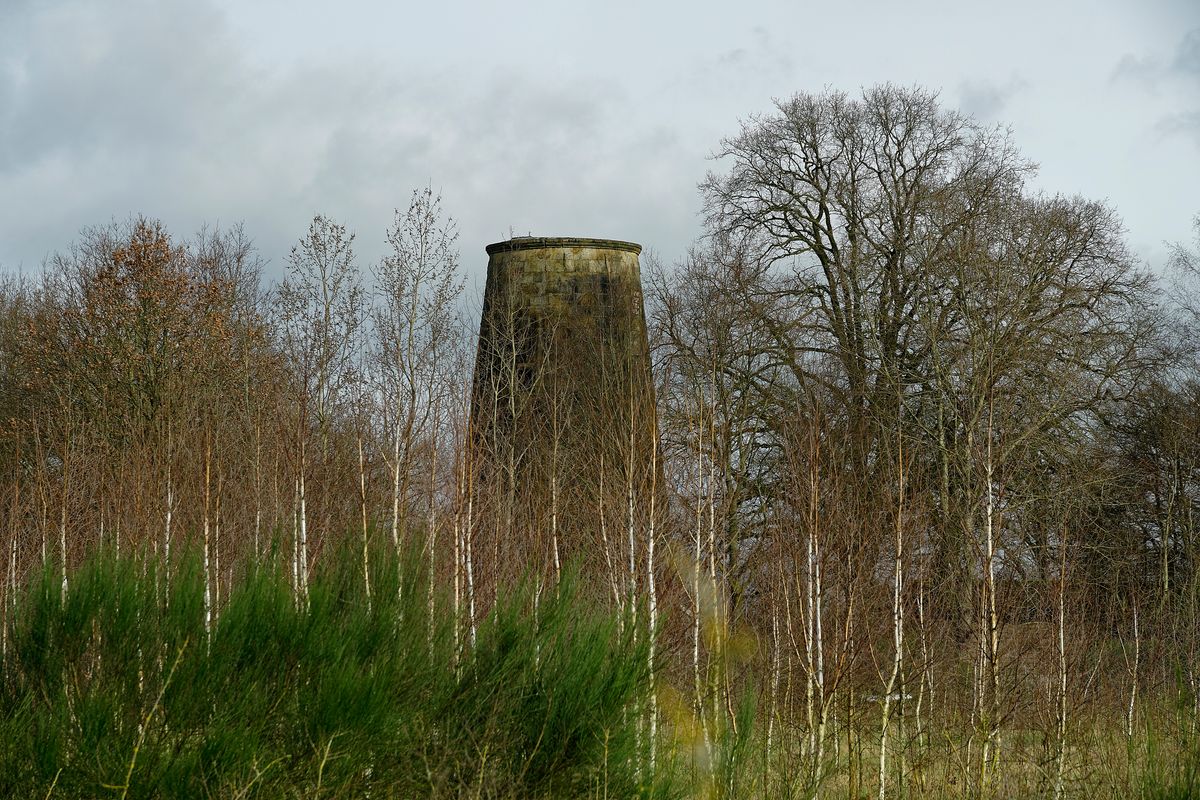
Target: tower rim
[(554, 242)]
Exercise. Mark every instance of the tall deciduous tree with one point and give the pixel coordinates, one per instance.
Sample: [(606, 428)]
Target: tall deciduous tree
[(892, 254), (857, 202), (417, 330), (320, 307)]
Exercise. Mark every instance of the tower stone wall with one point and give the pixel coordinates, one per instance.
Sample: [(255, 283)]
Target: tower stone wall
[(563, 427)]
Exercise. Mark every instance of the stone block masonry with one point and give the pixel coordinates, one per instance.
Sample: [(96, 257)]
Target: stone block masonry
[(563, 403)]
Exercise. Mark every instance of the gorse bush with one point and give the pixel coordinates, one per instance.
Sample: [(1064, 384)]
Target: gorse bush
[(115, 688)]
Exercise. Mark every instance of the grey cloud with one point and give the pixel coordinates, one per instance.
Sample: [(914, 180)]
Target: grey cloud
[(734, 56), (1177, 75), (1187, 56), (1130, 67), (1153, 70), (986, 100), (139, 74), (761, 60), (160, 113), (1186, 123)]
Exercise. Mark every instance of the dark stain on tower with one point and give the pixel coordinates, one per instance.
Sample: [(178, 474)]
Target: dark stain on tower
[(563, 427)]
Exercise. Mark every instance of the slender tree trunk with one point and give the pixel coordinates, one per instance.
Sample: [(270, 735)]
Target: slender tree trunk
[(613, 578), (43, 490), (1061, 754), (1134, 676), (459, 483), (217, 549), (554, 500), (716, 597), (10, 578), (10, 597), (925, 688), (431, 526), (776, 671), (362, 505), (652, 595), (815, 644), (167, 524), (631, 520), (697, 572), (296, 541), (991, 745), (895, 683), (62, 522), (396, 489), (303, 500), (468, 541), (207, 546), (257, 490)]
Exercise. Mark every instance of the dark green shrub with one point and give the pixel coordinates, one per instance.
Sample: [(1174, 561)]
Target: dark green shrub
[(117, 689)]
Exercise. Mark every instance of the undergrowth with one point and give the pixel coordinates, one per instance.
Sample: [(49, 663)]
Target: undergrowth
[(116, 689)]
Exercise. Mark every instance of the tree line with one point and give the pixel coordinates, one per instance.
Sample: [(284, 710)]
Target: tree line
[(929, 444)]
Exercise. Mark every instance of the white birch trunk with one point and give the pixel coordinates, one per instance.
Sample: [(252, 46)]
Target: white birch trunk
[(396, 488), (715, 676), (613, 579), (1133, 688), (217, 551), (167, 530), (925, 689), (697, 572), (1061, 755), (992, 741), (815, 639), (207, 566), (895, 682), (631, 589), (9, 591), (652, 596), (62, 526), (458, 532), (467, 546), (296, 542), (303, 545), (431, 530), (257, 490), (362, 505), (776, 670), (554, 512)]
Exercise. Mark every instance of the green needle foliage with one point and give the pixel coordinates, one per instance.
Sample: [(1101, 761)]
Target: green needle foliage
[(116, 689)]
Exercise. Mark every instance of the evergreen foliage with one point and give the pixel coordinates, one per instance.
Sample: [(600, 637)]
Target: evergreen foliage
[(114, 689)]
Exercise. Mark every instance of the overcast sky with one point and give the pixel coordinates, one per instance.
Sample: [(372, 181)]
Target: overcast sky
[(551, 118)]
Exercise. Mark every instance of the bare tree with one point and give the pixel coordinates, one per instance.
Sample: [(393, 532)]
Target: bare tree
[(320, 307), (416, 328)]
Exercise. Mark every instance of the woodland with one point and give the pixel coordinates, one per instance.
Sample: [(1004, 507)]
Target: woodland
[(925, 519)]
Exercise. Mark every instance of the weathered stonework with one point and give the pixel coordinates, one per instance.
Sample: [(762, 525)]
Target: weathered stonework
[(563, 402), (565, 280)]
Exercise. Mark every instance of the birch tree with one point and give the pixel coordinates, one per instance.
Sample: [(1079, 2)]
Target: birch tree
[(320, 308), (416, 330)]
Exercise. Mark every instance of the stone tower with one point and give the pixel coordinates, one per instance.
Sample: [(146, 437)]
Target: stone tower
[(563, 427)]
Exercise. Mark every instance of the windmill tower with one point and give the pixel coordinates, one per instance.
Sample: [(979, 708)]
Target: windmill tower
[(563, 426)]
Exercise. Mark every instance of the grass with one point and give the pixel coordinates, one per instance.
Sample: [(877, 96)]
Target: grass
[(1102, 764)]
